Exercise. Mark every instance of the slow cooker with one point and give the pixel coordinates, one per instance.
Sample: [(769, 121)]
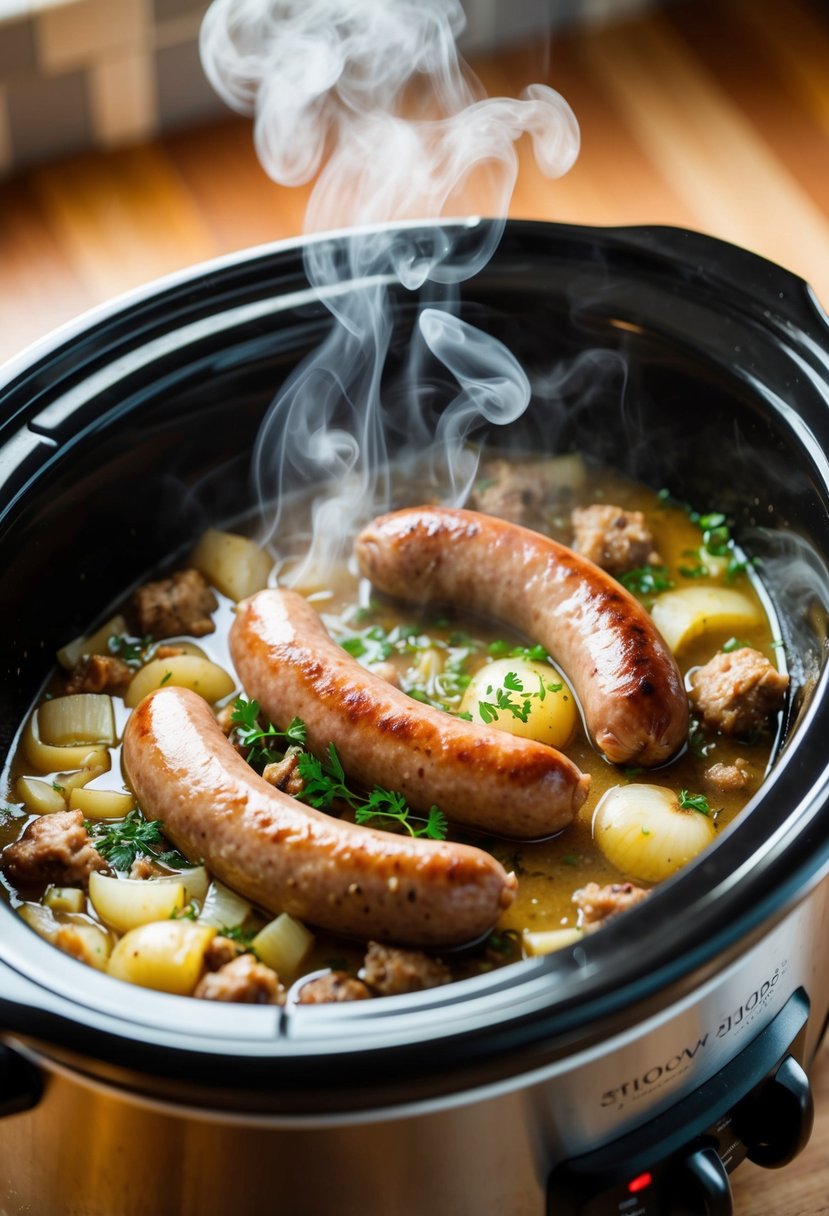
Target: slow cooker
[(628, 1074)]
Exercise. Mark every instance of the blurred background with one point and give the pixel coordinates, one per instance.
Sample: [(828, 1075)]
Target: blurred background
[(118, 164)]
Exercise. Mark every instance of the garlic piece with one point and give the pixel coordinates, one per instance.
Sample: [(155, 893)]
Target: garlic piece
[(643, 832)]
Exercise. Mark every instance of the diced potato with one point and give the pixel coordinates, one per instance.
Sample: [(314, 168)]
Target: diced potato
[(125, 903), (85, 718), (65, 899), (283, 944), (223, 908), (682, 615), (549, 940), (196, 882), (643, 832), (45, 758), (101, 804), (535, 689), (166, 955), (39, 796), (181, 671), (233, 564), (96, 643), (87, 942)]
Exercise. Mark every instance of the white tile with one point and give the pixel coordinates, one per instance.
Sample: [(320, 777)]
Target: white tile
[(77, 34), (122, 97), (5, 136)]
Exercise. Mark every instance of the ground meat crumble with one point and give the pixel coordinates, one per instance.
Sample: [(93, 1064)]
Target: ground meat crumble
[(389, 971), (179, 604), (99, 673), (243, 981), (597, 904), (615, 539), (55, 848), (735, 693), (332, 987)]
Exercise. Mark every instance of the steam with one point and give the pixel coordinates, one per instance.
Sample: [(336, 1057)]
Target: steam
[(372, 98)]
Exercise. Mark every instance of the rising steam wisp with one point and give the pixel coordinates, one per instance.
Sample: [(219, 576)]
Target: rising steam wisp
[(375, 99)]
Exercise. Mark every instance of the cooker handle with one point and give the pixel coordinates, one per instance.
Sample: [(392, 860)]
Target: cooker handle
[(770, 289)]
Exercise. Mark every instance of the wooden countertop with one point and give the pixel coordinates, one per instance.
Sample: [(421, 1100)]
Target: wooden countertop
[(712, 114)]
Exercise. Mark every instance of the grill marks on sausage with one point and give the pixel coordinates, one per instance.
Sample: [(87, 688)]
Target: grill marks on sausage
[(288, 857), (477, 775), (625, 676)]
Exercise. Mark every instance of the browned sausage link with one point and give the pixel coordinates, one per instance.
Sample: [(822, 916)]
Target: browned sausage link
[(478, 776), (287, 857), (630, 689)]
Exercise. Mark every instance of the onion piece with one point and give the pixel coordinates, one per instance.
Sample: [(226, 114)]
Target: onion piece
[(101, 804), (125, 903), (643, 832), (39, 796), (181, 671), (549, 940), (166, 955), (196, 883), (84, 718), (223, 908), (233, 564), (95, 643), (283, 944), (45, 758)]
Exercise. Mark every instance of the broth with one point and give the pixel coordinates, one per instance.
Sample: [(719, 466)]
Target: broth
[(433, 657)]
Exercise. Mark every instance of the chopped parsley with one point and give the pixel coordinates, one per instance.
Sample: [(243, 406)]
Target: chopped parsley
[(122, 843), (694, 802), (733, 644), (265, 745), (647, 580), (324, 784), (504, 702), (130, 650)]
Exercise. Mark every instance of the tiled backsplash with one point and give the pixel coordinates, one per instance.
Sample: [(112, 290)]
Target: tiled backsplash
[(76, 74)]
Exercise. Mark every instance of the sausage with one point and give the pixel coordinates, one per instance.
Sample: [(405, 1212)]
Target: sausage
[(477, 775), (287, 857), (632, 695)]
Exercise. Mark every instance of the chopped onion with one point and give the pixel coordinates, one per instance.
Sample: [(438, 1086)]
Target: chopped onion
[(283, 944), (38, 796), (643, 832), (196, 882), (95, 643), (85, 718), (44, 758), (223, 908), (125, 903), (101, 804), (549, 940)]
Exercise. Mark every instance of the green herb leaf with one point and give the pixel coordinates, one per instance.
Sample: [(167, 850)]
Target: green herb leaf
[(130, 650), (647, 580), (694, 802), (121, 843), (733, 644), (265, 746)]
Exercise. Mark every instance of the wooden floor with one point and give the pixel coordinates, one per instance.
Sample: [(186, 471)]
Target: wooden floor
[(713, 114)]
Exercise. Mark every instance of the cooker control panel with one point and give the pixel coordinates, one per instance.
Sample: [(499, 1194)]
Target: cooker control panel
[(758, 1107)]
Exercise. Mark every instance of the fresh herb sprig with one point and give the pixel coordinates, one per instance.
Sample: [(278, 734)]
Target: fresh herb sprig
[(123, 843), (130, 650), (647, 580), (324, 784), (265, 745), (504, 701), (694, 802)]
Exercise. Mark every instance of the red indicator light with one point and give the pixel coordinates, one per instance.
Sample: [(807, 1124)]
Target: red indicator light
[(640, 1183)]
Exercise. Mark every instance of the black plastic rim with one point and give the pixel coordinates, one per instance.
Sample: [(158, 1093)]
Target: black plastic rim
[(83, 383)]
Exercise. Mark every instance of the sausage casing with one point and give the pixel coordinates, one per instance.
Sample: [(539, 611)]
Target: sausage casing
[(477, 775), (623, 673), (287, 857)]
